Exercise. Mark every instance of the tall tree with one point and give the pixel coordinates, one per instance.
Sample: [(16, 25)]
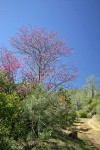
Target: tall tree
[(91, 83), (43, 52)]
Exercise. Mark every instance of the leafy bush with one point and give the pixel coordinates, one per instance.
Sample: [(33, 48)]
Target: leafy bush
[(98, 109), (95, 101), (10, 122), (9, 144), (98, 112), (81, 114), (6, 85), (44, 112)]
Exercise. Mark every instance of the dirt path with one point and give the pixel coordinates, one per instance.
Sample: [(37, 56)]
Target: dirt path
[(89, 130), (94, 124)]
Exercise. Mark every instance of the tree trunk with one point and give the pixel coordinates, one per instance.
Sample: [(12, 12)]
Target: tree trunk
[(92, 92), (39, 73)]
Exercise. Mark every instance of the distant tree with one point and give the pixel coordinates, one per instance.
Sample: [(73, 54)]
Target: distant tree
[(91, 84), (43, 52)]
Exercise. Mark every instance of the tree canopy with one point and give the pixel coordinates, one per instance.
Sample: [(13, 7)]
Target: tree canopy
[(42, 52)]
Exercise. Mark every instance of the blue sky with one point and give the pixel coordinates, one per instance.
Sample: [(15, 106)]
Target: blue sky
[(75, 20)]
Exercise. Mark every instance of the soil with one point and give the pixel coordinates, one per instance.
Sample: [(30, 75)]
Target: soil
[(89, 131)]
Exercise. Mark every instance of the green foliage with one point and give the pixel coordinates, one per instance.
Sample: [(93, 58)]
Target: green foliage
[(79, 100), (38, 113), (98, 111), (6, 84), (81, 114), (93, 104), (82, 100), (9, 144), (9, 112), (45, 112), (9, 104)]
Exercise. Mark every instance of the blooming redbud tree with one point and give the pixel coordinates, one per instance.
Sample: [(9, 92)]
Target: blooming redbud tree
[(43, 52), (9, 63)]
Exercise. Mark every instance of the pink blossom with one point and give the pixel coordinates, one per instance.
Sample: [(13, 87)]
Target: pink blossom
[(43, 52)]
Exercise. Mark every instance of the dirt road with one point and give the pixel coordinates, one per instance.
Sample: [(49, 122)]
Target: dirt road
[(89, 130)]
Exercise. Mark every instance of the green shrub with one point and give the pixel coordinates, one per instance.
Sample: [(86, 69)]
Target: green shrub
[(44, 113), (9, 144), (81, 114), (98, 112), (72, 117)]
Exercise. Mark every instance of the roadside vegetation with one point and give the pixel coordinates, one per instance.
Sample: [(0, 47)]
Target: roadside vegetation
[(37, 108)]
